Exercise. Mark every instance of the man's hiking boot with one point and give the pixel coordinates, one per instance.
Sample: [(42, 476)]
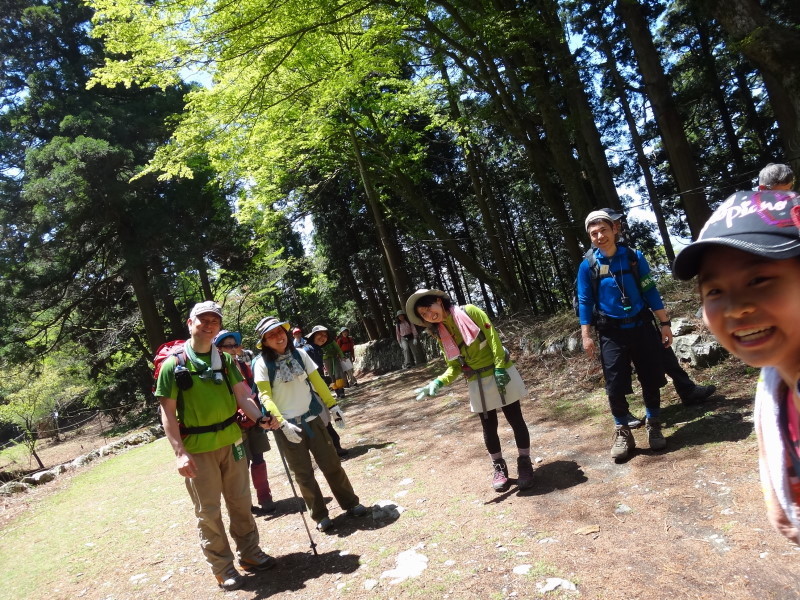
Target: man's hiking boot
[(654, 435), (258, 561), (524, 472), (230, 579), (623, 442), (634, 422), (699, 394), (500, 476), (324, 525)]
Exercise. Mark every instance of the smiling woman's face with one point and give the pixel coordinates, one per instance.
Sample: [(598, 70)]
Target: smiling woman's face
[(751, 305), (433, 313), (276, 339)]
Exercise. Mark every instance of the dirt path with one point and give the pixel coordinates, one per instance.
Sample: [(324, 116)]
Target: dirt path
[(686, 523)]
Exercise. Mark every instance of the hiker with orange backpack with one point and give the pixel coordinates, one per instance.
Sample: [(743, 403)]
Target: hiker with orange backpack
[(199, 390), (348, 346), (255, 439)]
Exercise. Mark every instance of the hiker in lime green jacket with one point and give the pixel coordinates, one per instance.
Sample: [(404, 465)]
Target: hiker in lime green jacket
[(332, 357), (471, 347)]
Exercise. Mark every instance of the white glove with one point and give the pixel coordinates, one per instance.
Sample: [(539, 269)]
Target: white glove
[(429, 390), (338, 416), (291, 431)]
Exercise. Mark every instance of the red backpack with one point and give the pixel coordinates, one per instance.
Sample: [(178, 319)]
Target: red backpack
[(165, 350)]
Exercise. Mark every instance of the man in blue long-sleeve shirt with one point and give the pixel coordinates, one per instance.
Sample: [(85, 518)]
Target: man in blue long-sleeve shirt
[(620, 308)]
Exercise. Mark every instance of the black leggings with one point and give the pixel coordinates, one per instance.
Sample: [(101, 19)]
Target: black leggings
[(513, 414)]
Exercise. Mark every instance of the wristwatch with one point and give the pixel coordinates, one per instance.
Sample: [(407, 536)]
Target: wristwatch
[(667, 323)]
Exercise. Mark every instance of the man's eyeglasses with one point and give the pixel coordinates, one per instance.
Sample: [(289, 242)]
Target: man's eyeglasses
[(228, 346)]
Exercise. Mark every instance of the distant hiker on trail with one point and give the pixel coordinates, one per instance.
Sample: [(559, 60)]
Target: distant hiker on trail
[(688, 391), (299, 341), (776, 176), (199, 390), (408, 338), (255, 439), (471, 347), (319, 335), (618, 304), (332, 357), (747, 259), (348, 346), (292, 391)]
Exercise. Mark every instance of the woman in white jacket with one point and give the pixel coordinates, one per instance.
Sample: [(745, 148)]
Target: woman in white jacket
[(291, 390)]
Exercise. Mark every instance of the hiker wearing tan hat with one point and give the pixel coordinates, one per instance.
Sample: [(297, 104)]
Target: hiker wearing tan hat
[(408, 338), (472, 348)]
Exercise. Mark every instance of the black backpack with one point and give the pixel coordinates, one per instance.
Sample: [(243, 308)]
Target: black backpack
[(594, 272)]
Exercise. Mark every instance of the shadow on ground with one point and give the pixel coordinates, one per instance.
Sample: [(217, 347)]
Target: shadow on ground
[(701, 426), (549, 477), (292, 571), (356, 451)]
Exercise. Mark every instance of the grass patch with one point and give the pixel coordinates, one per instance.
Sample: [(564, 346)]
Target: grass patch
[(54, 546), (14, 455)]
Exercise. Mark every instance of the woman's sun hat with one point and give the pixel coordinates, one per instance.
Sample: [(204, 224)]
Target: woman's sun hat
[(266, 325), (317, 329)]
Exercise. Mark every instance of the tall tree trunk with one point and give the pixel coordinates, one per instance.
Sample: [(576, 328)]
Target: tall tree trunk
[(375, 311), (773, 47), (357, 297), (400, 278), (408, 191), (592, 154), (481, 66), (670, 123), (482, 191), (137, 275), (620, 87), (205, 282), (715, 88), (754, 124)]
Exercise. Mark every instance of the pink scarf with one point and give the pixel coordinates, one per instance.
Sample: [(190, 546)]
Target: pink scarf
[(466, 327)]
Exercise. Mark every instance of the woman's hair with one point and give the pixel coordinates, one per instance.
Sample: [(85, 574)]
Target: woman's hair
[(430, 300), (270, 354)]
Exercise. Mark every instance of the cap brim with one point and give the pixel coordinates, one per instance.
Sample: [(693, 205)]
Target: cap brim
[(411, 314), (237, 337), (770, 246)]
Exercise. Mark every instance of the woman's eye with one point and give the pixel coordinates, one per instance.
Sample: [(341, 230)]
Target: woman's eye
[(759, 279)]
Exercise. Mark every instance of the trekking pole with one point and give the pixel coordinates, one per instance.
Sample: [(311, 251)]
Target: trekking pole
[(302, 508)]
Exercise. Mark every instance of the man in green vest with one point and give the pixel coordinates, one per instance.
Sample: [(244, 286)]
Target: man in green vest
[(199, 390)]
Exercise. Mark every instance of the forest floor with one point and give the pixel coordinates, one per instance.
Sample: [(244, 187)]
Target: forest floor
[(688, 522)]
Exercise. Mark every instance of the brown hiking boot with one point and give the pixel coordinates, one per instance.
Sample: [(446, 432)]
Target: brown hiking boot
[(230, 579), (654, 435), (623, 443), (258, 561)]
